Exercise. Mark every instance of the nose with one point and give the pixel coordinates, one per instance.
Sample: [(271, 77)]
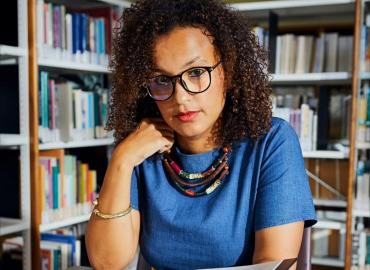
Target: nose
[(181, 96)]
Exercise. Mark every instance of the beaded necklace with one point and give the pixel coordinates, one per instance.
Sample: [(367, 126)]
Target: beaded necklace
[(210, 179)]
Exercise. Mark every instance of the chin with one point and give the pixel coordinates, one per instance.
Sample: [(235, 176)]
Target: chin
[(191, 133)]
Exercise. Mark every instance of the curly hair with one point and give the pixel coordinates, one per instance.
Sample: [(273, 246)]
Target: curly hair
[(247, 112)]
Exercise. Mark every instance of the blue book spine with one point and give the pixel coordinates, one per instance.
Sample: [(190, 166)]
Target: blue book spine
[(97, 39), (83, 32), (61, 238), (55, 188), (102, 22), (76, 33), (45, 100), (91, 110)]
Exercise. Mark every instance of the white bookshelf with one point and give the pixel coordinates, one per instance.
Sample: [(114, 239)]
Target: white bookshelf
[(361, 213), (323, 154), (363, 145), (327, 261), (76, 144), (330, 203), (9, 226), (309, 78), (365, 76), (330, 224), (287, 4), (64, 223), (11, 51), (119, 3), (70, 65), (13, 140), (290, 8), (18, 55)]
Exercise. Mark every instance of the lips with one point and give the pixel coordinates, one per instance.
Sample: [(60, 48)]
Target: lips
[(187, 116)]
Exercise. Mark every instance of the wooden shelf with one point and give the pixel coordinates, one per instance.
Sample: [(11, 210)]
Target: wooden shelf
[(322, 154), (327, 261), (310, 78), (69, 65), (11, 52), (12, 140), (76, 144), (330, 203), (9, 225), (64, 223)]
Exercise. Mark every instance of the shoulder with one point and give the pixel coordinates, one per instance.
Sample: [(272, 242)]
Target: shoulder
[(280, 131)]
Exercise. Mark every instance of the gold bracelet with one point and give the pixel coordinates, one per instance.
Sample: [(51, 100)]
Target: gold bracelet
[(109, 216)]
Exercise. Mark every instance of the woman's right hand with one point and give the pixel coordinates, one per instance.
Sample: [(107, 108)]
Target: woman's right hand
[(152, 135)]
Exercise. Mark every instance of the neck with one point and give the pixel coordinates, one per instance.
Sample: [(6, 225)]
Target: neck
[(195, 145)]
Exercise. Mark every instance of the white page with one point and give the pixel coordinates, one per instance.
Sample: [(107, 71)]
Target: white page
[(261, 266)]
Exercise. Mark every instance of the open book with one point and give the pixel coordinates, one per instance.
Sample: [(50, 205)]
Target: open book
[(276, 265)]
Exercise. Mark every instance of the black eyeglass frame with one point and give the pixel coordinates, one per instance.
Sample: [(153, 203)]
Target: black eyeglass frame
[(174, 78)]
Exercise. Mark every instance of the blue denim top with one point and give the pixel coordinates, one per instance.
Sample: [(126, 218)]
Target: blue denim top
[(267, 186)]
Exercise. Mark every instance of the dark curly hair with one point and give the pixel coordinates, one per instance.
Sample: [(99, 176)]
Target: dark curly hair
[(247, 111)]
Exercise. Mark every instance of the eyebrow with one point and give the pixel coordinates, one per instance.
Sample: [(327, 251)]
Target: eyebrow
[(187, 64)]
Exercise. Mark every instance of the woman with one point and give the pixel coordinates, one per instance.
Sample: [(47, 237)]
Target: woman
[(213, 180)]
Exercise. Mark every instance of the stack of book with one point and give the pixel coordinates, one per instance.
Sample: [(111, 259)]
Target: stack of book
[(363, 131), (321, 121), (59, 251), (300, 115), (67, 113), (82, 36), (67, 185), (362, 187), (294, 54), (360, 258)]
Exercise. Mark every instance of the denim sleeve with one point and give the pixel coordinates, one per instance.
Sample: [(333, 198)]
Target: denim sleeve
[(134, 194), (283, 193)]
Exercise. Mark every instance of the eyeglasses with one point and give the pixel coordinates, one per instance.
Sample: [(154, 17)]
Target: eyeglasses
[(194, 80)]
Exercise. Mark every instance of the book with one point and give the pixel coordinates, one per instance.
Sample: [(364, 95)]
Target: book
[(276, 265)]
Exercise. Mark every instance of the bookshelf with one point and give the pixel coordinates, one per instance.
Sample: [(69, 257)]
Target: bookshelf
[(57, 59), (329, 13), (296, 17), (14, 131)]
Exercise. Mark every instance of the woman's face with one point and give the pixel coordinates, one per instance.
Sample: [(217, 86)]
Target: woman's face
[(192, 116)]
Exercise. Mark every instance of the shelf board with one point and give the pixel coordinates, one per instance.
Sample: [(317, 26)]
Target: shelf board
[(327, 261), (284, 4), (69, 65), (363, 145), (329, 224), (286, 8), (64, 223), (361, 213), (323, 154), (330, 203), (310, 78), (76, 144), (11, 52), (10, 225), (12, 140), (120, 3), (365, 75)]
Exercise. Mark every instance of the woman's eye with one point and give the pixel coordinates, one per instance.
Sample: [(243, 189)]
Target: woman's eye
[(196, 72), (162, 80)]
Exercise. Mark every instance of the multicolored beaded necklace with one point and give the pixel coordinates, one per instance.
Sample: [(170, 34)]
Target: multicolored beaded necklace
[(210, 179)]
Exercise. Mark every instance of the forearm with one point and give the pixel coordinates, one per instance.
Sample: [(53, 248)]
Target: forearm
[(111, 244)]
